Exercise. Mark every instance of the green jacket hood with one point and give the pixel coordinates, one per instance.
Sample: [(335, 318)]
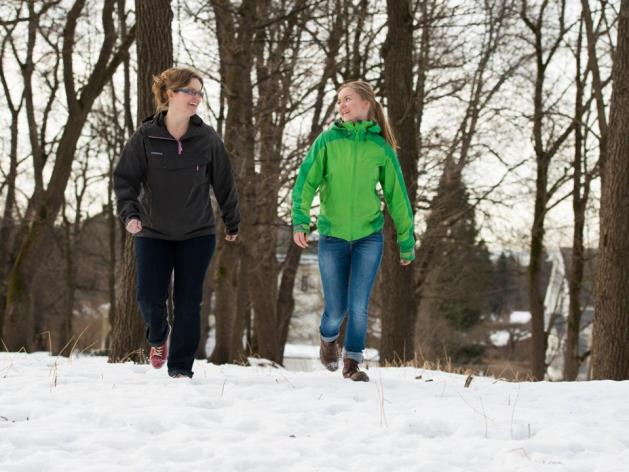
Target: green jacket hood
[(360, 128)]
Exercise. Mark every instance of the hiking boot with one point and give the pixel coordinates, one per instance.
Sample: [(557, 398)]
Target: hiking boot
[(329, 355), (159, 354), (351, 371)]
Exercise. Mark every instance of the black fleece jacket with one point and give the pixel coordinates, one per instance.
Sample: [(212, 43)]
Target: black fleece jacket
[(165, 183)]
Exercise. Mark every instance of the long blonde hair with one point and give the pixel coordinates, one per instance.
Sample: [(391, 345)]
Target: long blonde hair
[(171, 79), (376, 112)]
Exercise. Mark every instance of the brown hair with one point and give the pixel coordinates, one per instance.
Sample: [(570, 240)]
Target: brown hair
[(376, 112), (171, 79)]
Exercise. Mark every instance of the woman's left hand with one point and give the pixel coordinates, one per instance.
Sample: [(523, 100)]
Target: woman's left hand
[(404, 262), (231, 238)]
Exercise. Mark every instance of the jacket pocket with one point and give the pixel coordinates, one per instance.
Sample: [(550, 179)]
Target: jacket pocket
[(180, 193)]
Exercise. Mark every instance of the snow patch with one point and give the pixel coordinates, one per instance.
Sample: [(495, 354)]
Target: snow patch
[(60, 415)]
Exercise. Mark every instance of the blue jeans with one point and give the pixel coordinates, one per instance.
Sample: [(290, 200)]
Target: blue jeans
[(348, 271), (156, 260)]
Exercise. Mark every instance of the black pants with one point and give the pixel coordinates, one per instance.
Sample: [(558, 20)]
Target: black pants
[(156, 259)]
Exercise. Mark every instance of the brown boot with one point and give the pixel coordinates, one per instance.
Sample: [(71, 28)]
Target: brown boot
[(329, 355), (351, 371)]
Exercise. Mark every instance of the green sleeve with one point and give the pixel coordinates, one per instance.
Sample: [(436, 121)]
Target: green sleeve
[(398, 204), (308, 180)]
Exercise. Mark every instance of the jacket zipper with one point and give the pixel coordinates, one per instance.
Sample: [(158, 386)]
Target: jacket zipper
[(351, 206), (179, 144)]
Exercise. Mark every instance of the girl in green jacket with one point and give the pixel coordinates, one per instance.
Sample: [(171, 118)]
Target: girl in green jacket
[(345, 164)]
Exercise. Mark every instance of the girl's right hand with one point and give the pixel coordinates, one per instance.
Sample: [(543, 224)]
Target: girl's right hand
[(134, 226), (300, 239)]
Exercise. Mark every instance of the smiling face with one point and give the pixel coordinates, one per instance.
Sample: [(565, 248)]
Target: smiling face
[(351, 106), (183, 100)]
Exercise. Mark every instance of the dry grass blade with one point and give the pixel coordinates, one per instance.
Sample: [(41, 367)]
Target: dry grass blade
[(468, 380)]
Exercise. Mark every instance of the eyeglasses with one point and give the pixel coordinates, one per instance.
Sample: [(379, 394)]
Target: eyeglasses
[(190, 91)]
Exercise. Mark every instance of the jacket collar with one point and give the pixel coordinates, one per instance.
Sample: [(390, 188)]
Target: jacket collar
[(357, 128), (157, 126)]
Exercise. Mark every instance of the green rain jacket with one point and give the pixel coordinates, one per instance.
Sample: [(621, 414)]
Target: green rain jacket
[(345, 163)]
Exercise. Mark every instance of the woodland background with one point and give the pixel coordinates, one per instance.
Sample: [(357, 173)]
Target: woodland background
[(512, 119)]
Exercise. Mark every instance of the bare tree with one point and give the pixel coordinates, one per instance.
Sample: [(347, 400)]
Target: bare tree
[(254, 133), (398, 301), (283, 42), (611, 325), (598, 82), (24, 57), (7, 224), (277, 48), (46, 203), (580, 194), (110, 130), (234, 31), (450, 238), (546, 146), (71, 232), (155, 53), (585, 171)]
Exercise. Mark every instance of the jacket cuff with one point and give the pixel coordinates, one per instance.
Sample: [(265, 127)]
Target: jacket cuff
[(232, 230), (407, 255), (301, 228)]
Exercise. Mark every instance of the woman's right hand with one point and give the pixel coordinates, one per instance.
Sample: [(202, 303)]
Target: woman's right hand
[(134, 226), (300, 239)]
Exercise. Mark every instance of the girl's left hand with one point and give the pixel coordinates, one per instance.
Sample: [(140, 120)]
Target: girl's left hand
[(231, 237), (404, 262)]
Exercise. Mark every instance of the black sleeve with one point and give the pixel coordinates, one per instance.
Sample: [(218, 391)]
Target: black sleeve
[(222, 180), (129, 173)]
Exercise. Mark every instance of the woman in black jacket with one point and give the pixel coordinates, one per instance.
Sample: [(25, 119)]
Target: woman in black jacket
[(162, 184)]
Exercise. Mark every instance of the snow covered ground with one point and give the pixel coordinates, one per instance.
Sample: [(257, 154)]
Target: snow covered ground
[(82, 414)]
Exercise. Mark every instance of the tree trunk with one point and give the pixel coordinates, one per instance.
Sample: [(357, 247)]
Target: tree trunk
[(127, 333), (7, 220), (579, 201), (276, 53), (610, 349), (206, 309), (226, 278), (69, 247), (398, 302), (154, 50), (575, 277), (285, 299), (261, 194), (113, 224), (112, 227), (545, 150), (242, 320), (234, 39), (534, 272)]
